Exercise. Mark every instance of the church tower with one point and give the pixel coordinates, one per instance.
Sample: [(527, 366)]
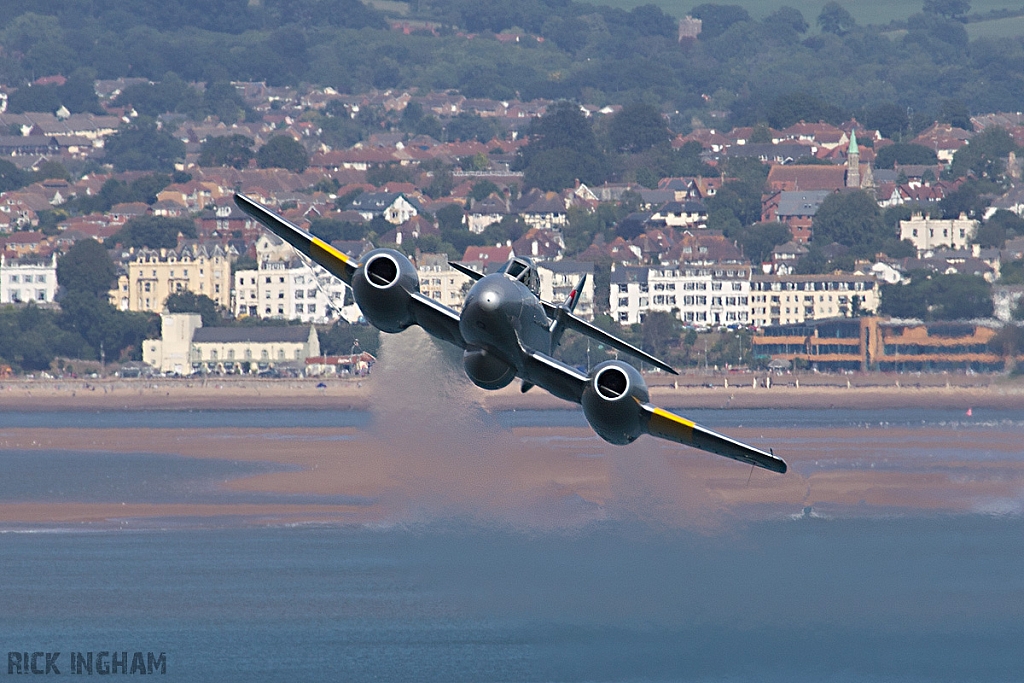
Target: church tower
[(853, 162)]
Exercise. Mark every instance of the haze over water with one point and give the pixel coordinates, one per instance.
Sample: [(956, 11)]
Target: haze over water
[(635, 564)]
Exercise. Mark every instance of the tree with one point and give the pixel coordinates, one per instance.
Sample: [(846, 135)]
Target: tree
[(904, 154), (87, 268), (889, 119), (787, 17), (155, 232), (950, 9), (851, 219), (791, 108), (760, 239), (934, 296), (717, 19), (283, 151), (227, 150), (637, 127), (12, 177), (835, 19), (342, 337), (984, 157), (966, 199), (482, 189), (143, 146), (190, 302), (999, 227), (1008, 342), (562, 149)]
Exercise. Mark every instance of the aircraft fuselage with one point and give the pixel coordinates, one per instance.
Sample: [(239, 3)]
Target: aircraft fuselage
[(500, 314)]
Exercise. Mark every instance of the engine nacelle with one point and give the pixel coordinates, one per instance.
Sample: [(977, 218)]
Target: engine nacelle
[(487, 370), (610, 401), (381, 287)]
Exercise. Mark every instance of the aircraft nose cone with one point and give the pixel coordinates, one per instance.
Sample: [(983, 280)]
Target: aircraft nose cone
[(490, 300)]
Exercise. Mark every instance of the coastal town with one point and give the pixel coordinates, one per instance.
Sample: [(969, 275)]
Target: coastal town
[(832, 247)]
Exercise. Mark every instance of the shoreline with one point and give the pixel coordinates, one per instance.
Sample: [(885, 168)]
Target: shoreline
[(689, 392)]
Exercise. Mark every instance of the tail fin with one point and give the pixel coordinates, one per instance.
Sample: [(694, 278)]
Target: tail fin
[(568, 306)]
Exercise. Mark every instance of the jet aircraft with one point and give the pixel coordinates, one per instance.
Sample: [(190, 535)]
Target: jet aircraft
[(507, 331)]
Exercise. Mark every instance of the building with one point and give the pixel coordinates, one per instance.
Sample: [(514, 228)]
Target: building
[(395, 207), (287, 286), (28, 279), (794, 299), (292, 290), (252, 349), (929, 234), (151, 275), (185, 346), (441, 282), (702, 296), (872, 343), (796, 209), (172, 352), (557, 279)]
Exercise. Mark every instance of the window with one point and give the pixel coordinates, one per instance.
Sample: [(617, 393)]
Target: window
[(623, 302), (311, 308), (248, 354), (737, 287), (40, 278), (146, 287), (310, 293), (264, 355), (14, 278), (299, 294), (623, 317), (298, 308)]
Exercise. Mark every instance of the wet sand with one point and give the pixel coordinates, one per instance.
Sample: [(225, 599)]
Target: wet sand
[(689, 391), (556, 477)]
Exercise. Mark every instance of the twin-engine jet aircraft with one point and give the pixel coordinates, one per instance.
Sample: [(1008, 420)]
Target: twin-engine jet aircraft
[(506, 331)]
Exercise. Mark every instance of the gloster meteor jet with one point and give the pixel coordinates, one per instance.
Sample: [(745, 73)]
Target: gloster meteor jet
[(506, 331)]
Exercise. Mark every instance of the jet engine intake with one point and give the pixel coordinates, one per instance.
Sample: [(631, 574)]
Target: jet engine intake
[(486, 370), (611, 401), (381, 287)]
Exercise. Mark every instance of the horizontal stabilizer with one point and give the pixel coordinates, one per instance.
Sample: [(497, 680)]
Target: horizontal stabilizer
[(666, 425), (312, 246)]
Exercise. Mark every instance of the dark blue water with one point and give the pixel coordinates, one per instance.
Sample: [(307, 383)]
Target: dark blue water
[(938, 599)]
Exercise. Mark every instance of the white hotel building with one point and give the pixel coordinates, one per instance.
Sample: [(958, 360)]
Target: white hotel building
[(28, 279), (701, 296)]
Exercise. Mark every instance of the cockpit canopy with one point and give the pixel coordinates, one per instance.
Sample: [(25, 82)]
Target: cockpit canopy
[(522, 269)]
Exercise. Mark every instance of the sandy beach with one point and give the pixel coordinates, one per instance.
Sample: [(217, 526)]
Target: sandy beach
[(423, 459), (687, 391)]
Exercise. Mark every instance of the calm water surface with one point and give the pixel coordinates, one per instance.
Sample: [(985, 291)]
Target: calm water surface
[(897, 598)]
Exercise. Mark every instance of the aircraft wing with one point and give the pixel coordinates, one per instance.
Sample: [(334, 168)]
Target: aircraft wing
[(312, 246), (665, 425), (437, 319), (570, 321), (569, 383)]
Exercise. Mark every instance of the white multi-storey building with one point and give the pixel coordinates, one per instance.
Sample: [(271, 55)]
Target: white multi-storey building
[(928, 234), (702, 296), (28, 279), (557, 278), (440, 281), (788, 299), (293, 290), (705, 282)]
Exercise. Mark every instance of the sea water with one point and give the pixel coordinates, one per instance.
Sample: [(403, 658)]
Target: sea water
[(800, 597)]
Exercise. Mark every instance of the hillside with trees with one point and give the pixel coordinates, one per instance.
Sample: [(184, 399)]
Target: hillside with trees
[(777, 70)]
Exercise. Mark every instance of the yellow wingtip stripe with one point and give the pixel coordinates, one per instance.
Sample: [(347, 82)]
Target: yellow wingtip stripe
[(674, 418), (323, 246)]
